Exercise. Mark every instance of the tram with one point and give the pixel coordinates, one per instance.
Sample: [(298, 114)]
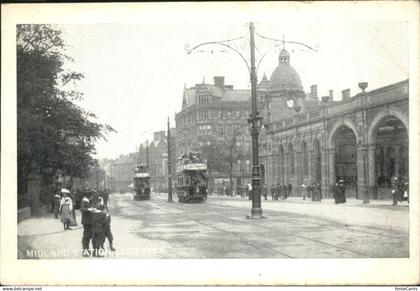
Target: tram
[(141, 181), (191, 178)]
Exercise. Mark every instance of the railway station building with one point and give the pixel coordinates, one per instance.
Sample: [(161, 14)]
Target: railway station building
[(361, 139)]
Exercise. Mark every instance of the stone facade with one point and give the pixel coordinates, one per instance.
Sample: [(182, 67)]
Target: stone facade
[(361, 139)]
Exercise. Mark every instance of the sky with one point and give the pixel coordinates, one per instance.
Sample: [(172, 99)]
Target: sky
[(135, 73)]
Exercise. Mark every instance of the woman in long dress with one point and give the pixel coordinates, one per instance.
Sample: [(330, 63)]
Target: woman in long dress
[(66, 208)]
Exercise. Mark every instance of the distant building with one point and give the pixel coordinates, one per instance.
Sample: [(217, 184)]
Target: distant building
[(121, 172), (155, 155), (218, 112)]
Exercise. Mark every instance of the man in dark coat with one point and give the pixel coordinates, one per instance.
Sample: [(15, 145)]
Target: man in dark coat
[(107, 234), (336, 194), (86, 210), (395, 191), (341, 192), (289, 190), (55, 205), (99, 222), (273, 191)]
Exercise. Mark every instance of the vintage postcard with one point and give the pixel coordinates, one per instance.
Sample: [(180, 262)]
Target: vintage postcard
[(210, 143)]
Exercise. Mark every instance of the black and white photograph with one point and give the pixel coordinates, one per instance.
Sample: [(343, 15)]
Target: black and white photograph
[(173, 138)]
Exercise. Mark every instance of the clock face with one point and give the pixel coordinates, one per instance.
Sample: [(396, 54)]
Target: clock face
[(290, 103)]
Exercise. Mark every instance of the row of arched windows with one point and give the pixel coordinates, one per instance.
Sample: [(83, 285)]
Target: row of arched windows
[(278, 163)]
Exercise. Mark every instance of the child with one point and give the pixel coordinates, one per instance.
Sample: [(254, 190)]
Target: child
[(66, 208)]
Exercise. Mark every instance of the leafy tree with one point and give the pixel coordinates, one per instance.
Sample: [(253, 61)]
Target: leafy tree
[(211, 151), (54, 134), (232, 153)]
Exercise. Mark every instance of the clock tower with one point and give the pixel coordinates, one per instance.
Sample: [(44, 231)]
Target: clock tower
[(285, 88)]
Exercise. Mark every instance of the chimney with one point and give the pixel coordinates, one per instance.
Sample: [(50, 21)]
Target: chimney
[(345, 94), (331, 94), (219, 81), (314, 92)]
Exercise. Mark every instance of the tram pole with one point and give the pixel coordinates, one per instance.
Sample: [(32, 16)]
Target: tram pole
[(255, 122), (169, 165)]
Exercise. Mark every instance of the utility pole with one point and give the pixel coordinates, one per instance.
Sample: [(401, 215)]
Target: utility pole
[(255, 121), (169, 165)]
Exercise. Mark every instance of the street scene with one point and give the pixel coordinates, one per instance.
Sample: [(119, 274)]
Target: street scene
[(213, 141), (219, 229)]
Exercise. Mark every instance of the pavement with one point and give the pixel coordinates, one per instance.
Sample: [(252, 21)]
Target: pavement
[(218, 228)]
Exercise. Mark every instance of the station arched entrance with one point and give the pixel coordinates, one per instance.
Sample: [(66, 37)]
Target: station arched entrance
[(345, 158), (390, 139)]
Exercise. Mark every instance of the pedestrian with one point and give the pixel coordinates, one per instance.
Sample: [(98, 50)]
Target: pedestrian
[(107, 228), (318, 185), (249, 192), (66, 208), (98, 230), (341, 192), (272, 191), (305, 189), (289, 190), (264, 191), (395, 191), (336, 193), (315, 192), (405, 191), (55, 205), (86, 210), (278, 191)]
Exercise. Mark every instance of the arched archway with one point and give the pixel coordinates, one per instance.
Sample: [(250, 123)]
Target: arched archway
[(389, 138), (344, 142)]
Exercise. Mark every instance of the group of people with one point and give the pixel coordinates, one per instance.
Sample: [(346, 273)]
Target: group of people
[(281, 190), (399, 190), (313, 191), (96, 220), (96, 223)]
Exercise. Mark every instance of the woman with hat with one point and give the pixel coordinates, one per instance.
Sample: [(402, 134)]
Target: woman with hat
[(66, 208)]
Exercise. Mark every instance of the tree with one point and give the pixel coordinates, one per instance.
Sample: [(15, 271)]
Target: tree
[(211, 151), (233, 153), (54, 134)]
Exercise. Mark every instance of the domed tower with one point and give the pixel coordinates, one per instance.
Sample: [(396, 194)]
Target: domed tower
[(285, 83)]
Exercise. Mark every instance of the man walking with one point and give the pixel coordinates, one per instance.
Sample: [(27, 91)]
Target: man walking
[(86, 210)]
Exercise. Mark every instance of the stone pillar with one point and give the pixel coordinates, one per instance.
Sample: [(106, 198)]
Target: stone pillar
[(362, 173), (373, 189), (397, 160), (298, 173), (331, 169), (34, 192), (311, 167), (286, 168)]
